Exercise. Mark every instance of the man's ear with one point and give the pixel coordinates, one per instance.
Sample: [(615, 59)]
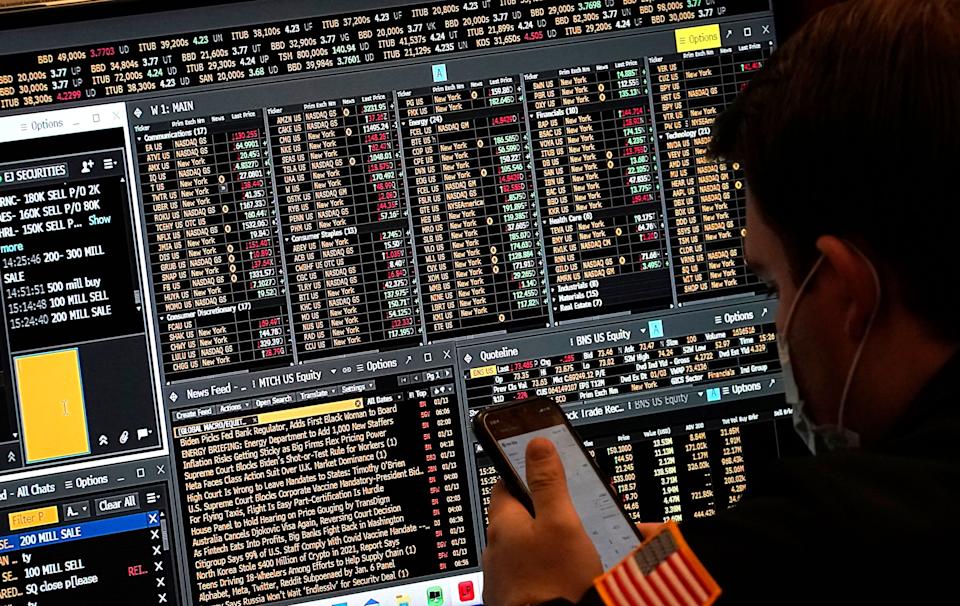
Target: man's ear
[(855, 283)]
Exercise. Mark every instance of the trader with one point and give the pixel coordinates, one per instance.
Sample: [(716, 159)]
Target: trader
[(850, 139)]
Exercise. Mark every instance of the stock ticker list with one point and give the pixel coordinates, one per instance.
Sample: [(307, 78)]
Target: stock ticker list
[(393, 218), (219, 284), (327, 496), (705, 198), (599, 190), (345, 225), (475, 219), (324, 43)]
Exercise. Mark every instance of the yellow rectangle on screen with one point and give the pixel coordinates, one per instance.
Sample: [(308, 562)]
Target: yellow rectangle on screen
[(32, 518), (483, 371), (52, 411), (314, 410), (697, 38)]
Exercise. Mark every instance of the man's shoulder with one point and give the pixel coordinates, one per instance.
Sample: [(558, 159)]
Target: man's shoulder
[(861, 476), (855, 491), (865, 514)]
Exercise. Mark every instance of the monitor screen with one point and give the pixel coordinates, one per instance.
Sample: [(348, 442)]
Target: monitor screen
[(262, 262)]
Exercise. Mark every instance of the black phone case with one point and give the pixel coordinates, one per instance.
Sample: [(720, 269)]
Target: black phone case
[(513, 483)]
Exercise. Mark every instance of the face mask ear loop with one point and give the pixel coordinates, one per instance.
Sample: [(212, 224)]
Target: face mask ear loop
[(863, 342), (800, 292)]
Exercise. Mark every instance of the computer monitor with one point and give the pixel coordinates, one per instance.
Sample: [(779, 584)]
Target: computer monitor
[(262, 262)]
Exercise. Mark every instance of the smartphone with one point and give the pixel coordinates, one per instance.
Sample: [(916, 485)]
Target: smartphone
[(504, 432)]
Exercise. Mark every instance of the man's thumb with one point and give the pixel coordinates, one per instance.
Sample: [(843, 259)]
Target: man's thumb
[(545, 477)]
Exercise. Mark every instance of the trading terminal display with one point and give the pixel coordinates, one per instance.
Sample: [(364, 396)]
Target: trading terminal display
[(349, 40), (214, 249), (643, 367), (388, 189), (475, 221), (328, 495), (678, 468), (346, 231), (449, 236), (593, 139), (88, 551), (441, 212)]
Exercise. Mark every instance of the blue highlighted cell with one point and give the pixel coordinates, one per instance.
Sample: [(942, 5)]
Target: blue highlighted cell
[(440, 72), (655, 327), (78, 532), (713, 394)]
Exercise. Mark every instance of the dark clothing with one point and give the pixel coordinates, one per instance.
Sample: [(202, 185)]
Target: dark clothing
[(878, 525)]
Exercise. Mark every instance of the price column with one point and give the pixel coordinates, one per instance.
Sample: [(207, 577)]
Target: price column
[(619, 460), (391, 276)]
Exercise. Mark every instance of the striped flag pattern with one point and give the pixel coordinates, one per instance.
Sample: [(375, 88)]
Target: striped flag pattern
[(661, 572)]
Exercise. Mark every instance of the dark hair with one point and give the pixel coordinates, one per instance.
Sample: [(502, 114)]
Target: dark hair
[(852, 129)]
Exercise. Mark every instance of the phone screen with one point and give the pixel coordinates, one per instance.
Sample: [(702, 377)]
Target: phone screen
[(609, 529)]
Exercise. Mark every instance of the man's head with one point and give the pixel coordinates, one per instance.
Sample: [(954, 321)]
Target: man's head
[(850, 140)]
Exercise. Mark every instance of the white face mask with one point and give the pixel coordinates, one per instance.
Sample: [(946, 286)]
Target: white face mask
[(822, 438)]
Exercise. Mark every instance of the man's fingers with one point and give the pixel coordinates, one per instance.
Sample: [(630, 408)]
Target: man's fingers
[(498, 496), (546, 479), (505, 512)]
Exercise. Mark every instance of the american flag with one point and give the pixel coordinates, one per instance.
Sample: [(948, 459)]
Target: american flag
[(661, 572)]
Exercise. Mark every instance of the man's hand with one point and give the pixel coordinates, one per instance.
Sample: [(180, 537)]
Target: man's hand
[(532, 560)]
